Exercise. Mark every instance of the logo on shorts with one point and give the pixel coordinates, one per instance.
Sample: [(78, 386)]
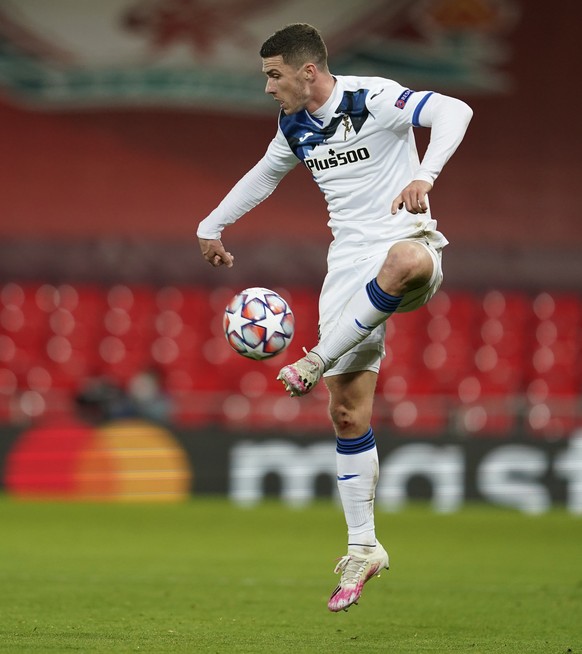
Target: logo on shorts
[(403, 99)]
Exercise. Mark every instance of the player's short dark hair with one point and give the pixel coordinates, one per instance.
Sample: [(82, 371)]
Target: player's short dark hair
[(298, 44)]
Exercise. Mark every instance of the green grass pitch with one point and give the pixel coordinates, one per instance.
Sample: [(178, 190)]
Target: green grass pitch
[(205, 576)]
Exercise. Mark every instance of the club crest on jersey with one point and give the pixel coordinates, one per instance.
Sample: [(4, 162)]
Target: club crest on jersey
[(403, 99)]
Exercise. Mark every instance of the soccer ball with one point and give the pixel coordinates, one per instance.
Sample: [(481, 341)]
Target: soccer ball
[(258, 323)]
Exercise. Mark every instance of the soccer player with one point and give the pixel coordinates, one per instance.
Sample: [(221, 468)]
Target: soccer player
[(355, 137)]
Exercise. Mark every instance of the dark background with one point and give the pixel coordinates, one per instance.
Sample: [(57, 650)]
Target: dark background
[(117, 194)]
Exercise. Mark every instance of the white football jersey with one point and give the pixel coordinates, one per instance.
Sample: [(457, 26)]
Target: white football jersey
[(361, 153), (360, 148)]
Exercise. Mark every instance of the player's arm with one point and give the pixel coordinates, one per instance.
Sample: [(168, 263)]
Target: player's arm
[(448, 119), (247, 193)]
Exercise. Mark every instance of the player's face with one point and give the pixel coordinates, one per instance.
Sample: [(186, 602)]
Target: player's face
[(287, 85)]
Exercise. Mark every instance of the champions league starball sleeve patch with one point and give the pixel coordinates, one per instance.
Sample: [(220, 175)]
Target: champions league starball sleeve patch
[(403, 99)]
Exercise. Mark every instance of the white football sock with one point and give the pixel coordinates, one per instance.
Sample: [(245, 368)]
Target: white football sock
[(366, 309), (357, 476)]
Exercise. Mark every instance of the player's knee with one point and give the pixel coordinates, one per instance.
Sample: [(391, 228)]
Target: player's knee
[(341, 418), (349, 422), (407, 266)]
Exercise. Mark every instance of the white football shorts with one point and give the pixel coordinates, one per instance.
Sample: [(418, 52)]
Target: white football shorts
[(341, 283)]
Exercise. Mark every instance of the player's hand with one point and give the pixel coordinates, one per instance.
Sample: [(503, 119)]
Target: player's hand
[(413, 197), (213, 251)]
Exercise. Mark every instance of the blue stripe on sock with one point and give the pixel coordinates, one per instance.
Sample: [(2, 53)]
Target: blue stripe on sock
[(380, 299), (356, 445)]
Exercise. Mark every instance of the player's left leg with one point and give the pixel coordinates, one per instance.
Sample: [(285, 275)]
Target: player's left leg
[(408, 267), (351, 400)]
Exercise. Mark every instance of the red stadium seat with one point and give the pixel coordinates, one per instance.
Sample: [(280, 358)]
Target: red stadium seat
[(458, 363)]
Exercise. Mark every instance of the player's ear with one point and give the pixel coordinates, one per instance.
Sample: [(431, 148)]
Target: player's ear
[(309, 71)]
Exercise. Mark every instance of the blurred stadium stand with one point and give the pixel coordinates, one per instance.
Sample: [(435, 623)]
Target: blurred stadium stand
[(112, 155), (486, 363)]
